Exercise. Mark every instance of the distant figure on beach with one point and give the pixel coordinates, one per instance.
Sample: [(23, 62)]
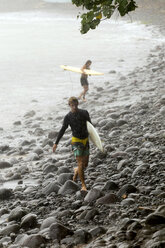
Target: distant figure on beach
[(84, 80), (76, 119)]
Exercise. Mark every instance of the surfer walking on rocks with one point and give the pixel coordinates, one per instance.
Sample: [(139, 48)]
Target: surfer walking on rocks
[(77, 119), (84, 80)]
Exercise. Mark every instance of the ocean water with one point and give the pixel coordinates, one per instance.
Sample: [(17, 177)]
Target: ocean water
[(35, 43)]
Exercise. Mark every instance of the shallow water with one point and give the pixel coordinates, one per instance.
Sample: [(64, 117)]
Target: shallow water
[(35, 43)]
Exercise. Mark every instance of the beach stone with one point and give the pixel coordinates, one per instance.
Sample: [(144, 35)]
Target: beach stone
[(113, 116), (121, 122), (119, 154), (48, 222), (4, 148), (58, 231), (3, 211), (128, 202), (38, 131), (13, 228), (81, 236), (127, 189), (38, 151), (108, 199), (155, 219), (52, 135), (114, 133), (17, 123), (34, 241), (97, 231), (162, 111), (63, 169), (51, 187), (30, 114), (140, 170), (90, 214), (110, 185), (109, 125), (93, 195), (5, 194), (17, 214), (132, 149), (4, 164), (161, 210), (160, 235), (64, 177), (69, 187), (25, 143), (157, 244), (49, 168), (47, 142), (29, 221), (122, 163)]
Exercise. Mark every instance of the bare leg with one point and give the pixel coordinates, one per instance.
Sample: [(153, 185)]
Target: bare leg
[(83, 93), (81, 166), (75, 174)]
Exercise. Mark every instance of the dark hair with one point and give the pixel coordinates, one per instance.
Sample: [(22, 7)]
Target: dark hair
[(73, 100), (88, 62)]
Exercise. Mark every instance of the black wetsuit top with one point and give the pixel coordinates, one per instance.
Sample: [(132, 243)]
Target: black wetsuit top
[(77, 122)]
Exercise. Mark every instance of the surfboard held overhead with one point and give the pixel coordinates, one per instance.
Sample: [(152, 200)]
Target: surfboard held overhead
[(78, 70)]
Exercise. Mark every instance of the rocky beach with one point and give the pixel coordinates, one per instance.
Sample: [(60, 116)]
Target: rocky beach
[(124, 207)]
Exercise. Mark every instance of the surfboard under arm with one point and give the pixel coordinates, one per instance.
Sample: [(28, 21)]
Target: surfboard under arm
[(94, 136)]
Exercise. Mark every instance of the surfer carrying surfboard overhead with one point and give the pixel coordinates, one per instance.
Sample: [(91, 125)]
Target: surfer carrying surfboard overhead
[(84, 80), (77, 119)]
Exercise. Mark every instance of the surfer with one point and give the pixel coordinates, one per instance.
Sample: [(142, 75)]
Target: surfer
[(84, 80), (76, 119)]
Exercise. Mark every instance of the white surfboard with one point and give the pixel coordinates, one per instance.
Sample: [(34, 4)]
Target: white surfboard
[(94, 136), (78, 70)]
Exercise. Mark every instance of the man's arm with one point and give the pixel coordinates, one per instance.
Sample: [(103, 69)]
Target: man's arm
[(61, 133)]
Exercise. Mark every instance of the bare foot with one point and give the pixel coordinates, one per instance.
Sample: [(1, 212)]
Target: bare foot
[(83, 188)]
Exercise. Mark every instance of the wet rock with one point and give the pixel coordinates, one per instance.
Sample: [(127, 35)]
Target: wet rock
[(29, 221), (5, 194), (17, 213), (17, 123), (13, 228), (30, 114), (51, 187), (108, 199), (140, 170), (38, 151), (97, 231), (162, 111), (127, 189), (63, 169), (64, 177), (110, 185), (81, 237), (155, 219), (128, 202), (49, 168), (69, 187), (93, 195), (121, 122), (34, 241), (4, 164), (48, 222), (52, 135), (38, 132), (58, 231)]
